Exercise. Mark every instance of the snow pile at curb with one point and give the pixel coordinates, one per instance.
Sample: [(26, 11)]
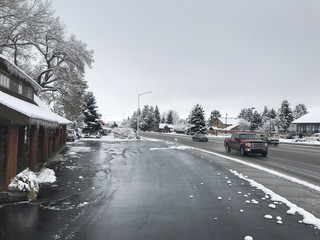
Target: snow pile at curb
[(46, 175)]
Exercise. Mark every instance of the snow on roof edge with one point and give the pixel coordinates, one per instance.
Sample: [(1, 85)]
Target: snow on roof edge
[(14, 69), (36, 113), (312, 117)]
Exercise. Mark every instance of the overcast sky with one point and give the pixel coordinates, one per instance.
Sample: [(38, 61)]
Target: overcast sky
[(224, 55)]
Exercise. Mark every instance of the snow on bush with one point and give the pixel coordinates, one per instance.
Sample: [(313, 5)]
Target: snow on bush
[(28, 181), (124, 133), (25, 181)]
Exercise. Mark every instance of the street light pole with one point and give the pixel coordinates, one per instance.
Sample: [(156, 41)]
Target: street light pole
[(227, 121), (138, 113), (251, 119)]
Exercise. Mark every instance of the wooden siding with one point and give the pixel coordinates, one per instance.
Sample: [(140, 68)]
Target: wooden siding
[(3, 153)]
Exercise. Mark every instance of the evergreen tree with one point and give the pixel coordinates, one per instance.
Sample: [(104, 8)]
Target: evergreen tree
[(157, 116), (170, 117), (265, 115), (246, 114), (213, 115), (163, 119), (133, 121), (256, 121), (285, 115), (197, 119), (151, 119), (143, 124), (91, 115), (272, 114), (299, 111)]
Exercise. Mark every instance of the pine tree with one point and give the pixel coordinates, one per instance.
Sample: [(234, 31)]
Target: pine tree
[(157, 115), (170, 117), (133, 121), (197, 119), (143, 124), (285, 115), (214, 114), (256, 121), (265, 115), (151, 119), (246, 114), (299, 111), (91, 115), (272, 114)]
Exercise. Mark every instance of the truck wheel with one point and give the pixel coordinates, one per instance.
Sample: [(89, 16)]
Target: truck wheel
[(264, 154), (242, 151), (228, 149)]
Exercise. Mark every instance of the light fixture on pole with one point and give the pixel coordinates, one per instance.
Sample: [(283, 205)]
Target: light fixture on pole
[(138, 113)]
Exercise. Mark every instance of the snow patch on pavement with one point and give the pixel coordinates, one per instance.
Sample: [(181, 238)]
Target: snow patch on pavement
[(308, 218), (292, 179)]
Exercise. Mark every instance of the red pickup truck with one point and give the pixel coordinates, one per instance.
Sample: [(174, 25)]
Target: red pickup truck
[(246, 143)]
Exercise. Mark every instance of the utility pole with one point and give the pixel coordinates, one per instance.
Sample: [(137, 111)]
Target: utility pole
[(138, 113)]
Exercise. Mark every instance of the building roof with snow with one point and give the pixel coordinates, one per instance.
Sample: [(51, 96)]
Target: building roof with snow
[(18, 103), (311, 117), (31, 113), (163, 125), (15, 70)]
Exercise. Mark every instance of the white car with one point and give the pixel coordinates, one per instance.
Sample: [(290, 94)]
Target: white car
[(315, 137), (71, 135)]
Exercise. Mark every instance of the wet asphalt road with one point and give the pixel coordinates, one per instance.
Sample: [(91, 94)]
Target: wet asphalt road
[(143, 190), (300, 161)]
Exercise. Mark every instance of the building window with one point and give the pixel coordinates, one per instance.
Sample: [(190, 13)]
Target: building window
[(4, 80), (29, 93), (20, 88), (304, 128)]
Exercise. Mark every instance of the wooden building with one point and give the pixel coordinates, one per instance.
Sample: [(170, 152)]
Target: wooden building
[(30, 134)]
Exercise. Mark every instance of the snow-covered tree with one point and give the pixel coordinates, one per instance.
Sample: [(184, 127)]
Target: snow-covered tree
[(170, 117), (37, 42), (213, 115), (269, 120), (256, 120), (246, 114), (147, 119), (265, 115), (197, 119), (272, 114), (20, 23), (157, 116), (91, 114), (143, 123), (163, 118), (285, 115), (132, 122), (299, 111)]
